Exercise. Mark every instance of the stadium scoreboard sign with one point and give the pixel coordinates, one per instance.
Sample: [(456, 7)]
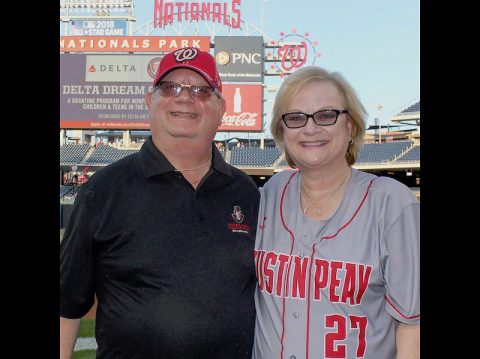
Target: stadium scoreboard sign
[(108, 92)]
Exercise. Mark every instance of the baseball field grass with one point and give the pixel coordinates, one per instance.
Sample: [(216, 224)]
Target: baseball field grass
[(85, 354), (86, 330)]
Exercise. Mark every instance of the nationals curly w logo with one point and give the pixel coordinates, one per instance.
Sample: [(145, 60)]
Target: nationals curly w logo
[(293, 52), (185, 54)]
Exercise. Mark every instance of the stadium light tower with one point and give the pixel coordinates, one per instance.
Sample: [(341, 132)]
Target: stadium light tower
[(379, 109), (71, 10), (262, 13)]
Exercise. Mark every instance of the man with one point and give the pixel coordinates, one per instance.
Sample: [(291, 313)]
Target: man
[(164, 237)]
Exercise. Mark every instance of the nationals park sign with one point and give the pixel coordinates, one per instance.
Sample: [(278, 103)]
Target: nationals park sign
[(131, 43)]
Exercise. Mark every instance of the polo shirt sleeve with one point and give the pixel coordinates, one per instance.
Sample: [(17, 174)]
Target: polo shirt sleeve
[(77, 281)]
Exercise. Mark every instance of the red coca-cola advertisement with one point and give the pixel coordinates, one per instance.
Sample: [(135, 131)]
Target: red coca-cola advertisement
[(244, 108)]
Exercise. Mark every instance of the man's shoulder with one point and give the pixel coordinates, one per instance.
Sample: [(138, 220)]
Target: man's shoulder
[(115, 172), (241, 175)]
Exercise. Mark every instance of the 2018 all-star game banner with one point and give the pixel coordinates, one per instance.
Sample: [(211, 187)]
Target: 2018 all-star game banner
[(108, 92)]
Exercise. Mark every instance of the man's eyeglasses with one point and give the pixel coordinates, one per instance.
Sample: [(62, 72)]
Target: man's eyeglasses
[(325, 117), (173, 89)]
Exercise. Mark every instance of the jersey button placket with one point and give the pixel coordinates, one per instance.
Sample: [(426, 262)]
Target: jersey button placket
[(197, 214)]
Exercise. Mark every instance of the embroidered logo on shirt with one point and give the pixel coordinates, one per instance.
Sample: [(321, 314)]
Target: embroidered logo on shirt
[(237, 214), (238, 217)]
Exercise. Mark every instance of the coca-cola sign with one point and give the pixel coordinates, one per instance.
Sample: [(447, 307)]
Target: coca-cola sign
[(245, 119), (244, 108)]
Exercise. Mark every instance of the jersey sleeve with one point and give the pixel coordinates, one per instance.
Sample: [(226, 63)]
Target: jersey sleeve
[(401, 265), (77, 288)]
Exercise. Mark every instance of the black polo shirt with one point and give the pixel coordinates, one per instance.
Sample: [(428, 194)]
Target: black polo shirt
[(172, 267)]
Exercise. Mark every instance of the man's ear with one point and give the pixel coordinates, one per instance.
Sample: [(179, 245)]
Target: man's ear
[(148, 99), (224, 109), (224, 105)]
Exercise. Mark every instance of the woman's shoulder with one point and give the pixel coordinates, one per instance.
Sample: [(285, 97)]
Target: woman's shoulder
[(393, 189), (389, 184), (382, 186)]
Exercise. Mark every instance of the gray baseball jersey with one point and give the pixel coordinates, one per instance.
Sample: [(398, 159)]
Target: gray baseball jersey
[(335, 288)]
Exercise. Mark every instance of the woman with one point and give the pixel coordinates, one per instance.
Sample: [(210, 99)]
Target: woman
[(337, 249)]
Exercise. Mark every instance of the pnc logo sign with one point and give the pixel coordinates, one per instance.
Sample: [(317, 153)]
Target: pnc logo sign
[(239, 58), (224, 58)]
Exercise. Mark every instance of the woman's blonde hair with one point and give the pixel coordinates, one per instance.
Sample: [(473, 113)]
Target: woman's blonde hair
[(295, 82)]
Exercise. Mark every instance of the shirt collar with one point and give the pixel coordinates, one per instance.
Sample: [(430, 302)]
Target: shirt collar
[(153, 161)]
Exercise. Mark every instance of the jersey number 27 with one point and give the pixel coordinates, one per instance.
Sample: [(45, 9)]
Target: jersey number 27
[(336, 350)]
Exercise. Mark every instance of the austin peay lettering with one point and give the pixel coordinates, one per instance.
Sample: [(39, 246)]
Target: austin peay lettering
[(339, 281)]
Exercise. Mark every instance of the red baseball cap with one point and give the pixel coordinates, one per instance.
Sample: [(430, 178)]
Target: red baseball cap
[(193, 59)]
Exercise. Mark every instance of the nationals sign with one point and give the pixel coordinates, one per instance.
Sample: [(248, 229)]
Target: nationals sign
[(225, 13)]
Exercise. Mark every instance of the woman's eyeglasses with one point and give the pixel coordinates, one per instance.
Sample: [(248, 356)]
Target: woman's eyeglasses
[(325, 117)]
